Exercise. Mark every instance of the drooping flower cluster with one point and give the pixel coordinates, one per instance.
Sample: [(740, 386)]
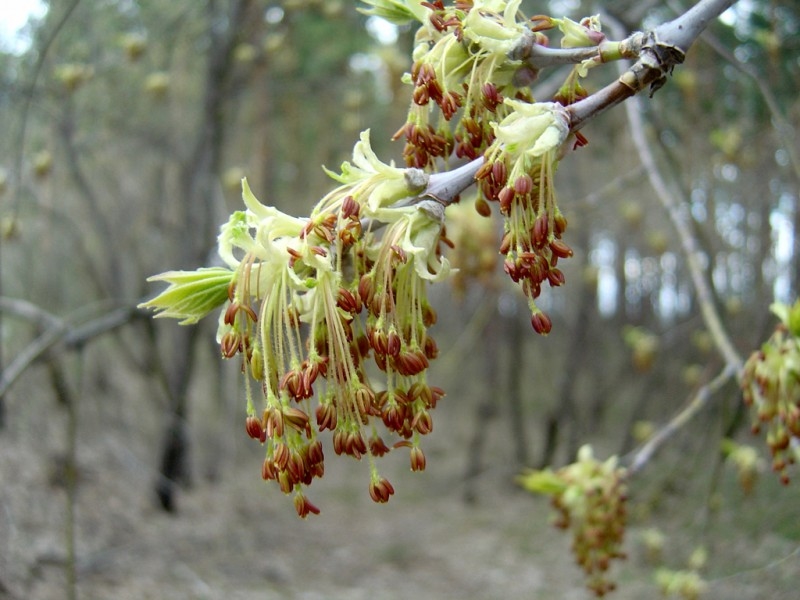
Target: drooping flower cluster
[(746, 461), (518, 175), (311, 303), (685, 584), (771, 388), (329, 314), (476, 239), (470, 78), (590, 500), (463, 67), (468, 57)]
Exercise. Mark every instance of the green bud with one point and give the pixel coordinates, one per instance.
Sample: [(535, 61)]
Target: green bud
[(793, 320), (543, 482), (398, 12), (191, 295)]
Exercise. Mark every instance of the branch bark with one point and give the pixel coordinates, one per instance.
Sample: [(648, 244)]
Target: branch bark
[(705, 295), (16, 172), (733, 361), (57, 331), (663, 49)]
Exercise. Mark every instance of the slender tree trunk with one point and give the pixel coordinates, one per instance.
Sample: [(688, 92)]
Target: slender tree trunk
[(200, 183), (485, 408), (516, 367), (565, 413)]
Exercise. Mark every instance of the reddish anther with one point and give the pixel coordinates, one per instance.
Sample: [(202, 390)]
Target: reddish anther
[(541, 323), (417, 459), (380, 490), (254, 427), (560, 249), (304, 507)]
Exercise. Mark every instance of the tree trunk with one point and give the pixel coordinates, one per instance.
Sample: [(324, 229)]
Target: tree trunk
[(199, 182)]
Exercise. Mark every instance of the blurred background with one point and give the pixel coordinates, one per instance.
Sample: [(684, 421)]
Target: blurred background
[(125, 470)]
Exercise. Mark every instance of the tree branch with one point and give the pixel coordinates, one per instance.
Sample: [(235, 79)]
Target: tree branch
[(664, 47), (642, 456), (688, 242), (733, 362), (540, 57), (57, 331), (784, 130), (659, 51)]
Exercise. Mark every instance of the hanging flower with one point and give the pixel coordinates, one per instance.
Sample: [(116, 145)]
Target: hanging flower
[(589, 497), (532, 129), (518, 174)]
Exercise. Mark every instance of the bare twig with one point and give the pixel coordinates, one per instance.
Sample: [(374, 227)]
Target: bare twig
[(784, 130), (16, 174), (663, 49), (71, 468), (445, 187), (57, 331), (28, 98), (28, 356), (642, 456), (540, 57), (28, 311), (733, 362)]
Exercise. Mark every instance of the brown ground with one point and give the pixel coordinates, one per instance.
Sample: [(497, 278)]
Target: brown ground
[(235, 537)]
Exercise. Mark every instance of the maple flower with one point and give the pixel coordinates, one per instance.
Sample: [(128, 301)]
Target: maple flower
[(532, 129), (590, 499), (580, 35), (293, 293), (771, 388), (493, 25), (518, 173), (371, 182)]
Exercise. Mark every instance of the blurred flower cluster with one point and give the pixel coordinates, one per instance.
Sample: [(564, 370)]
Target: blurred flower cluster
[(590, 498), (771, 388)]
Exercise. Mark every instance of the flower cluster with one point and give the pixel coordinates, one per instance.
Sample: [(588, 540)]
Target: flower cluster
[(771, 388), (518, 175), (329, 314), (746, 461), (476, 239), (463, 67), (470, 76), (590, 499), (686, 584), (310, 304)]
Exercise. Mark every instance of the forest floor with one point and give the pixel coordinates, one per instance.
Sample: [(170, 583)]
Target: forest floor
[(235, 537)]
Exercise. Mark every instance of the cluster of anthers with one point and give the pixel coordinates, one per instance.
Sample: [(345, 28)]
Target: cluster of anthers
[(467, 58), (461, 71), (771, 388), (316, 309), (590, 499)]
